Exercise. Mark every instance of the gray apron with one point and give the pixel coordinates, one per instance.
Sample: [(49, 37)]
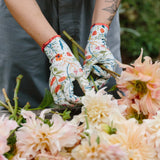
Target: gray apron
[(19, 53)]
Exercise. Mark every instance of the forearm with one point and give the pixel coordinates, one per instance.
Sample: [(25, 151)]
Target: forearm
[(28, 14), (104, 11)]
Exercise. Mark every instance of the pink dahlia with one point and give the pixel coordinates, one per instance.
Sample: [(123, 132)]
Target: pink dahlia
[(2, 157), (36, 137), (140, 83), (6, 126)]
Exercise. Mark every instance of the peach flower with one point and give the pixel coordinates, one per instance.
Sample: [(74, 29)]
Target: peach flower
[(153, 131), (132, 138), (2, 157), (99, 106), (140, 83), (59, 156), (36, 137), (95, 151), (6, 126)]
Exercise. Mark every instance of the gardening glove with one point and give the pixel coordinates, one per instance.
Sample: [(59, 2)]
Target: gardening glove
[(97, 53), (64, 70)]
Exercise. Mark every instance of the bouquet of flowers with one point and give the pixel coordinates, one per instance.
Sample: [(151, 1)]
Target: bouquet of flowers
[(106, 129)]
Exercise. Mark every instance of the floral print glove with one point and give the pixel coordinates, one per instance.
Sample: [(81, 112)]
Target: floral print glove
[(64, 70), (97, 52)]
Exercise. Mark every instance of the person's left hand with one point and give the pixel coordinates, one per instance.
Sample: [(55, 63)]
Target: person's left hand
[(97, 53)]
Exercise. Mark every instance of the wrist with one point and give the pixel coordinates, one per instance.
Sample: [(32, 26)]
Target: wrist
[(47, 42), (99, 24), (98, 31)]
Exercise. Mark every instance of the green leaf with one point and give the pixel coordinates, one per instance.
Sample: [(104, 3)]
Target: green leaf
[(53, 105), (47, 121), (66, 115), (130, 30), (47, 100), (9, 155), (11, 141)]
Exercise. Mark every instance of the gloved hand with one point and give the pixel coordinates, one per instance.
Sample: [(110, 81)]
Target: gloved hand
[(64, 70), (97, 52)]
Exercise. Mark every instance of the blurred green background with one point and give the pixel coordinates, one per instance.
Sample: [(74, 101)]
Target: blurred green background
[(140, 28)]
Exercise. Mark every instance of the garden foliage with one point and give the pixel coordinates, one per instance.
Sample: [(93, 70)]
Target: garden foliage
[(140, 28)]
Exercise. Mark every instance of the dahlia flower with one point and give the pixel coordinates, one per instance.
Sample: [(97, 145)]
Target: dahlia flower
[(95, 151), (140, 83), (2, 157), (6, 126), (153, 131), (36, 137), (116, 119), (59, 156), (132, 138), (17, 157), (98, 106)]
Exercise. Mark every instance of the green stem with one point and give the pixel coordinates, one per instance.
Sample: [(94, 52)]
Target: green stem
[(109, 71), (73, 41), (20, 120), (7, 101), (86, 118), (18, 81), (81, 55), (34, 109), (27, 106), (94, 83), (12, 132), (4, 105), (87, 126), (75, 51)]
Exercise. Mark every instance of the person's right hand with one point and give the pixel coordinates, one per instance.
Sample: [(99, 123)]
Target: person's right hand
[(64, 70)]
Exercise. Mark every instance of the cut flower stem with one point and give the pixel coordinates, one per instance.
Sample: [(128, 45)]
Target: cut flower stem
[(18, 81), (7, 100)]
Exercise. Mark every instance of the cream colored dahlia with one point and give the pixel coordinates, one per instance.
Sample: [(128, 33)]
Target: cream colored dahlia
[(140, 83), (59, 156), (18, 157), (6, 126), (116, 119), (132, 138), (98, 106), (36, 137), (95, 151)]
